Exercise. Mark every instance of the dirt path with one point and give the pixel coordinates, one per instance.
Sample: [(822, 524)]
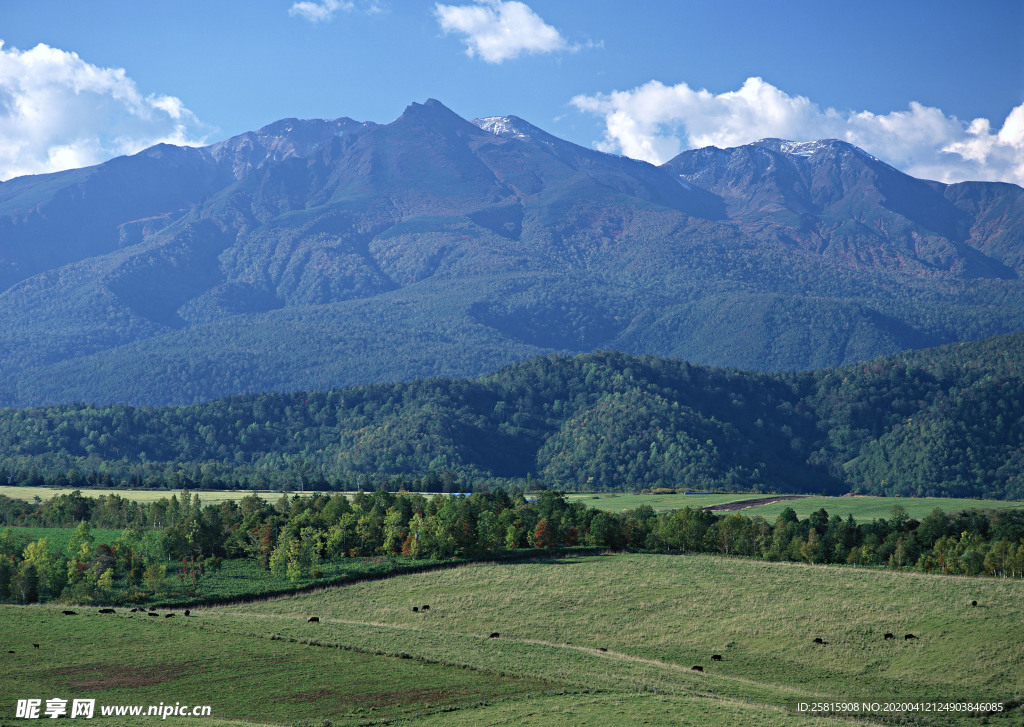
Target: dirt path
[(744, 504)]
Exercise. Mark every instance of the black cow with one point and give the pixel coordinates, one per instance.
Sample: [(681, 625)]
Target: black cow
[(890, 636), (974, 603), (152, 608), (494, 635), (908, 637), (425, 608), (35, 646), (70, 613), (716, 657), (187, 612), (697, 668), (818, 640), (415, 609), (313, 620), (168, 615), (107, 610), (601, 648), (154, 615)]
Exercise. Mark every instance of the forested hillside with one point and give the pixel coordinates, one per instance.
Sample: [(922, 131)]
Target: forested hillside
[(941, 422)]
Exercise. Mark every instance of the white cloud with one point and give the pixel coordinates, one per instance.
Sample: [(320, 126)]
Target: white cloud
[(655, 122), (318, 12), (498, 30), (322, 11), (59, 112)]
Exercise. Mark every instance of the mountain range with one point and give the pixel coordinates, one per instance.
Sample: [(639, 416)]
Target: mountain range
[(318, 254)]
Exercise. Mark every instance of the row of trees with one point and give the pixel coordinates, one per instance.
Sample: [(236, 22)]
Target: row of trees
[(296, 536)]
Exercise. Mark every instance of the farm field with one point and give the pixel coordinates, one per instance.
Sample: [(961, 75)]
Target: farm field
[(604, 640), (208, 497), (866, 507), (862, 507), (620, 502)]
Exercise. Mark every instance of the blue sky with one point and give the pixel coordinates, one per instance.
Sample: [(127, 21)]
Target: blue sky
[(933, 87)]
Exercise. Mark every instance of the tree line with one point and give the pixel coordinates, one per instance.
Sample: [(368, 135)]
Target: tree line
[(296, 537)]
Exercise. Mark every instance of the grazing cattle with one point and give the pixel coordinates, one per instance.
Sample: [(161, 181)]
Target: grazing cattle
[(9, 651), (415, 609), (697, 668), (187, 612), (890, 636), (168, 615), (716, 657), (974, 603), (107, 610), (494, 635), (70, 613), (601, 648), (152, 608), (154, 615), (35, 646), (313, 620), (818, 640), (425, 608), (908, 637)]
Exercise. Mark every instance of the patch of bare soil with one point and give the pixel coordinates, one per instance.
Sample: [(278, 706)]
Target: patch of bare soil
[(95, 678)]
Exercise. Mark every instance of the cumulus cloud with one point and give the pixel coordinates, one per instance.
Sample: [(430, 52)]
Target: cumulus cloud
[(655, 122), (58, 112), (498, 30)]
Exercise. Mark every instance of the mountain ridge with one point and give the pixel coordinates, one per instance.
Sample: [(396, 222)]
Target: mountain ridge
[(324, 250)]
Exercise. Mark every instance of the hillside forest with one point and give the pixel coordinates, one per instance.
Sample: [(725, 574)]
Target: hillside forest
[(944, 422)]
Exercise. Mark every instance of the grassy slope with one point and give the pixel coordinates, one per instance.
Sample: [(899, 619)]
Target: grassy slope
[(659, 615), (863, 508), (656, 615), (867, 508)]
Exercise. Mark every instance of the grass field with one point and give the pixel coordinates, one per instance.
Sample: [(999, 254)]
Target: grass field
[(661, 503), (866, 508), (208, 497), (863, 508), (597, 640)]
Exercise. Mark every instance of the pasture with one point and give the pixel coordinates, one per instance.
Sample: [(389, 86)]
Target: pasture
[(864, 508), (596, 640), (208, 497), (620, 502)]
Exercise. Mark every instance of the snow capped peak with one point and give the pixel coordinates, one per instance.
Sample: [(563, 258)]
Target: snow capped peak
[(810, 148), (506, 126)]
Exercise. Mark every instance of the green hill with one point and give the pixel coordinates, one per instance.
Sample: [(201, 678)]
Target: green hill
[(947, 422)]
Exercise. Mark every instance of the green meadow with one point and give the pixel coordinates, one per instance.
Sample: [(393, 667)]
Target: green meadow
[(863, 507), (620, 502), (209, 497), (594, 640)]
